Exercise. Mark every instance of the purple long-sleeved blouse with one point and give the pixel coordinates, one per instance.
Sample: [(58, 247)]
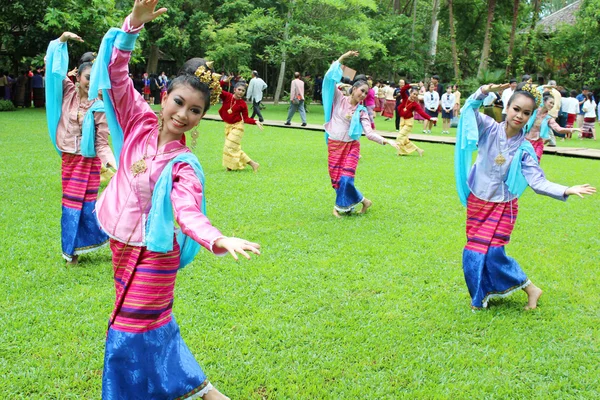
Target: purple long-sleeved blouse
[(486, 178)]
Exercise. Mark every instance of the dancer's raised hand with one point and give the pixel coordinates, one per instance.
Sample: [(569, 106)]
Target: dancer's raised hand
[(70, 36), (351, 53), (236, 245), (143, 11), (492, 87), (580, 190)]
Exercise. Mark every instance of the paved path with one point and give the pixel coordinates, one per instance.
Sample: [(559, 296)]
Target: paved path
[(579, 152)]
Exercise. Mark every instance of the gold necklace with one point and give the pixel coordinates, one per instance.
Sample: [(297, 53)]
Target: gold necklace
[(233, 103), (139, 167), (407, 104)]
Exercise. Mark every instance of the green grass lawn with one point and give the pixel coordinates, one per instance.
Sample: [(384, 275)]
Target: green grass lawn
[(371, 306)]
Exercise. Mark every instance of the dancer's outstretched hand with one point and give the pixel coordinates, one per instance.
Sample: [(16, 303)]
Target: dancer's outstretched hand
[(580, 190), (492, 87), (392, 143), (260, 125), (236, 245), (351, 53), (70, 36), (143, 11)]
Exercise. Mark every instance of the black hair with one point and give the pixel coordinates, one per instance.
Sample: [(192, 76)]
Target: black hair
[(540, 80), (574, 93), (513, 80), (346, 80), (240, 83), (589, 96), (521, 92), (359, 77), (83, 67), (525, 78), (564, 93), (585, 87), (436, 77), (412, 90), (186, 76), (358, 83), (546, 97)]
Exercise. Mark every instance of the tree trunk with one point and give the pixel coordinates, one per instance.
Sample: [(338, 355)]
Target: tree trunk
[(485, 52), (434, 31), (152, 65), (453, 41), (414, 23), (511, 42), (396, 6), (286, 36)]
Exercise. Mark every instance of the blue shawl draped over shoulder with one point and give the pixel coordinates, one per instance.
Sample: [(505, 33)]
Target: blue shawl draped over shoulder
[(100, 80), (467, 136), (57, 63), (332, 77), (544, 128), (160, 225)]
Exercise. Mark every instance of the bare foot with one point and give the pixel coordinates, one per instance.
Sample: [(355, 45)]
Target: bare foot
[(74, 260), (254, 165), (420, 151), (336, 213), (366, 204), (214, 394), (533, 295)]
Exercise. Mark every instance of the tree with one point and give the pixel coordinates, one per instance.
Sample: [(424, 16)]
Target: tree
[(485, 52), (511, 42), (453, 41)]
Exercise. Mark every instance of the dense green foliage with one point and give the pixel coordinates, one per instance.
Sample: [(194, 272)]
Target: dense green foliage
[(6, 105), (370, 306), (242, 35)]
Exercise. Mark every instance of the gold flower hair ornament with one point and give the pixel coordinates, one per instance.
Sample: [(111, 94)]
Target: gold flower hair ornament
[(533, 90), (212, 80)]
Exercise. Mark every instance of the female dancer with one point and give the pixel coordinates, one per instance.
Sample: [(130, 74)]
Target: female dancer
[(506, 163), (406, 109), (79, 133), (234, 113), (541, 122), (158, 181), (345, 120)]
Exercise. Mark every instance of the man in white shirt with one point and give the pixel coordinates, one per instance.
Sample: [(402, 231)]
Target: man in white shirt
[(255, 94), (506, 95)]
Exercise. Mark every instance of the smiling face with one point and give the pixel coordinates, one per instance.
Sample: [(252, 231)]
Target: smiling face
[(182, 109), (549, 103), (359, 93), (84, 80), (414, 95), (239, 91), (519, 111)]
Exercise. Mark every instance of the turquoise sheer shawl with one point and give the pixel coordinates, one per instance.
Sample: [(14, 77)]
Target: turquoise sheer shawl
[(332, 77), (57, 65), (100, 80), (544, 128), (160, 225)]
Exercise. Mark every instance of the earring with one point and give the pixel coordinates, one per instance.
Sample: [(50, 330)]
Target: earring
[(194, 137), (160, 122)]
